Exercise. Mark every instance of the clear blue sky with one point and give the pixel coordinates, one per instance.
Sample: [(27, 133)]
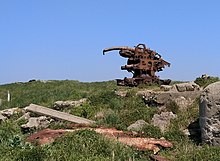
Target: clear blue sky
[(54, 39)]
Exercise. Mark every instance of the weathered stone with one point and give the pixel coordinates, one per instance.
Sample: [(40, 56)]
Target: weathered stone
[(163, 120), (26, 116), (209, 111), (162, 98), (65, 104), (182, 102), (166, 87), (2, 118), (36, 122), (158, 99), (181, 87), (137, 126), (189, 86), (11, 111)]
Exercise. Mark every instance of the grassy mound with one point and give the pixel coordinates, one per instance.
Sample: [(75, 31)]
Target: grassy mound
[(116, 111)]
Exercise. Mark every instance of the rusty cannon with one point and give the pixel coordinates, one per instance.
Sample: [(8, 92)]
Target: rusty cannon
[(143, 63)]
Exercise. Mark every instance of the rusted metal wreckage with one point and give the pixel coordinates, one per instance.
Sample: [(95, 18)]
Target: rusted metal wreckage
[(143, 63)]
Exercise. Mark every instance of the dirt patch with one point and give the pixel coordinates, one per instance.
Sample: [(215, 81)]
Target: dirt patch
[(45, 136)]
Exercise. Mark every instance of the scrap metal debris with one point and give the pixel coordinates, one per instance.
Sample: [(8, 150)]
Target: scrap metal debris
[(143, 63), (48, 136)]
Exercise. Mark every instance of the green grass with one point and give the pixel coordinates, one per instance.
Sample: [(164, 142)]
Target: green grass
[(46, 94), (184, 148), (80, 145), (88, 145), (118, 112)]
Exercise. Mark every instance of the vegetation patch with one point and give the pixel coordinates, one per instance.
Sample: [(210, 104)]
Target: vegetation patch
[(118, 112), (205, 81)]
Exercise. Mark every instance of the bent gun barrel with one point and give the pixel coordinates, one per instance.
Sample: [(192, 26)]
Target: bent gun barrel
[(117, 48)]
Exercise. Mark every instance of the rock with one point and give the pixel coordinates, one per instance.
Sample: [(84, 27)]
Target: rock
[(137, 126), (2, 118), (36, 123), (166, 87), (182, 102), (161, 98), (189, 86), (26, 116), (150, 97), (209, 114), (163, 120), (65, 104), (181, 87), (11, 111)]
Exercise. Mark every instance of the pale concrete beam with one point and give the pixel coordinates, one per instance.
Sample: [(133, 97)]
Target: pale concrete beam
[(57, 114)]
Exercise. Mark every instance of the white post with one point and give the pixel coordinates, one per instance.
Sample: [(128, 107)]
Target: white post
[(9, 97)]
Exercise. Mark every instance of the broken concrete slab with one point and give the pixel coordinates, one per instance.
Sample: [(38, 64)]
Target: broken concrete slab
[(36, 122), (57, 114), (26, 116)]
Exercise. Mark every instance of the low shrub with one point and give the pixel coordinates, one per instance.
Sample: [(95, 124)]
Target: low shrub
[(203, 82)]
